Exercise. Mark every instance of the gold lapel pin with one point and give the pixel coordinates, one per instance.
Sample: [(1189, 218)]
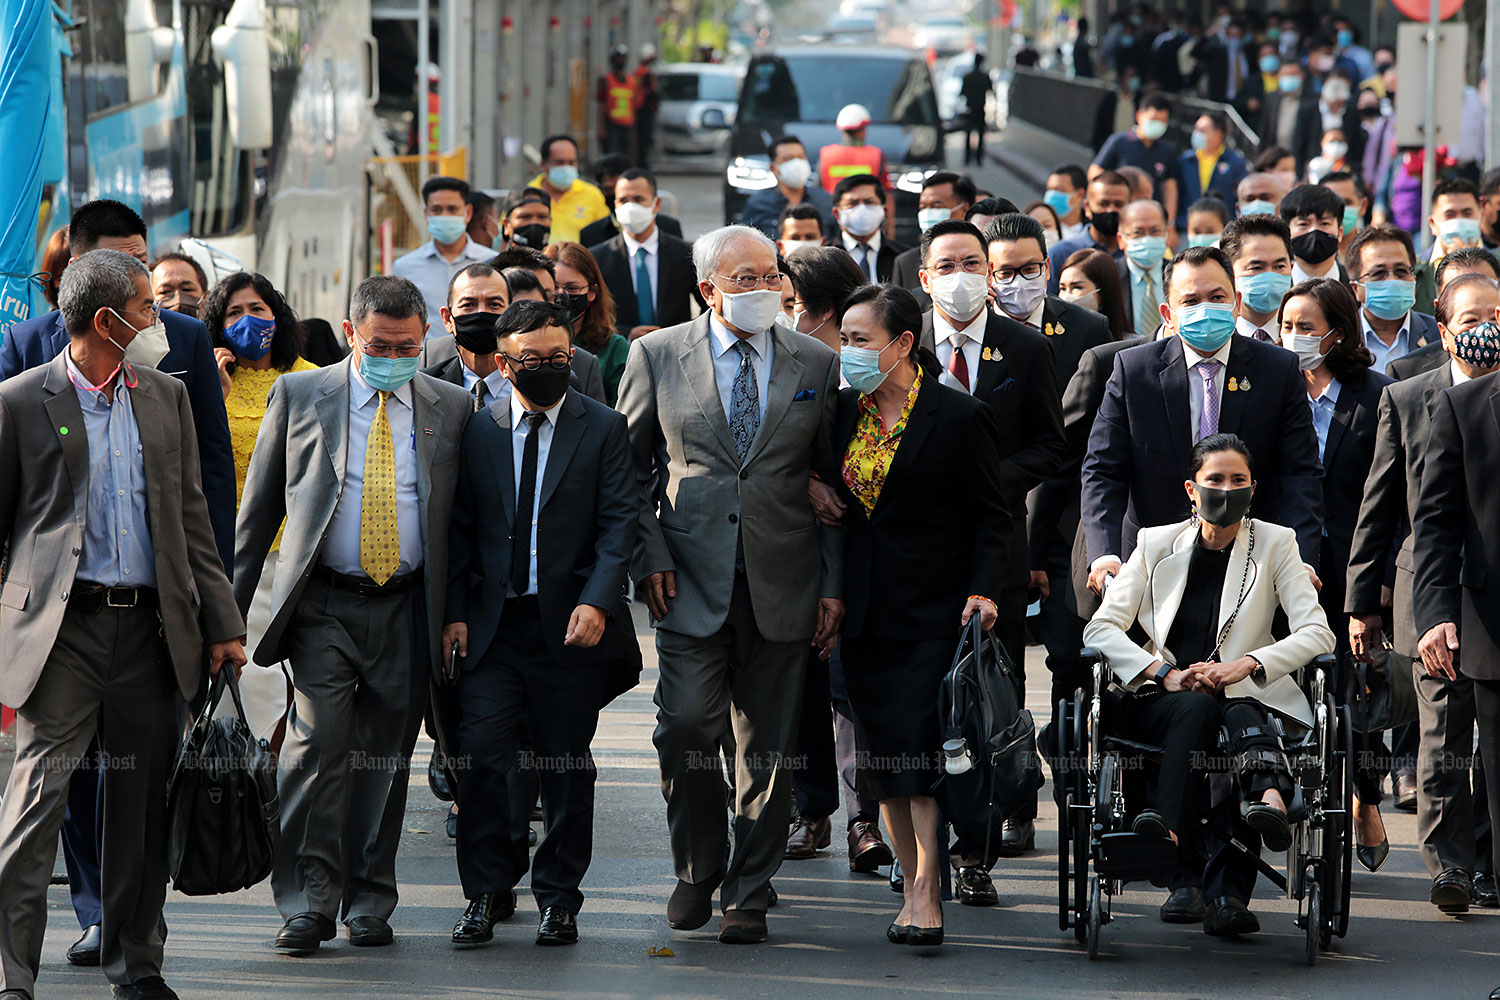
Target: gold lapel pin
[(985, 354), (1233, 385)]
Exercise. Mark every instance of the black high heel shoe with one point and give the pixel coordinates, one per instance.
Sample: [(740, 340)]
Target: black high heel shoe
[(924, 937), (1371, 858), (898, 933)]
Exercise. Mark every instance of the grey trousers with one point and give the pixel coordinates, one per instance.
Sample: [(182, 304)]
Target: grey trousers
[(108, 673), (733, 688), (360, 687), (1453, 823)]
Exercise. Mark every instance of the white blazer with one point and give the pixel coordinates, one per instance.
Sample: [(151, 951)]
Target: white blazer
[(1149, 590)]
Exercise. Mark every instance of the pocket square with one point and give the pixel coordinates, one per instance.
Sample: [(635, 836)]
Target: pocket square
[(1008, 383), (804, 395)]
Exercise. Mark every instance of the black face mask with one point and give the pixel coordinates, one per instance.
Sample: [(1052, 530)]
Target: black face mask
[(1106, 223), (544, 386), (1314, 246), (575, 303), (475, 332), (534, 236), (1220, 507)]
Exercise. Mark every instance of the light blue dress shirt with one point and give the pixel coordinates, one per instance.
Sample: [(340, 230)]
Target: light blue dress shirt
[(497, 385), (1322, 415), (117, 549), (727, 361), (544, 431), (341, 552), (1384, 355), (431, 272)]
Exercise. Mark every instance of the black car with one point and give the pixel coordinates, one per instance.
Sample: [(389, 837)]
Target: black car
[(798, 90)]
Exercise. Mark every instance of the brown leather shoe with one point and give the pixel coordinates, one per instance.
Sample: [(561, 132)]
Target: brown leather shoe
[(742, 927), (808, 837), (692, 905), (867, 851)]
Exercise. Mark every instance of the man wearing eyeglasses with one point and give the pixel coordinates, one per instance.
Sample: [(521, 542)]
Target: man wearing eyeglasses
[(729, 416), (360, 460), (1383, 264)]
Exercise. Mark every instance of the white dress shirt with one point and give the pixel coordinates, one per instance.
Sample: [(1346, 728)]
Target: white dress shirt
[(1246, 328), (1195, 381), (943, 336), (1386, 353), (1075, 231), (1299, 274), (653, 261), (1459, 378), (544, 431), (853, 246), (727, 362), (341, 552)]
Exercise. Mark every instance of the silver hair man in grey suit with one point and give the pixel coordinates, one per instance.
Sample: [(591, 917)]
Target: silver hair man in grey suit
[(361, 460), (728, 417), (114, 596)]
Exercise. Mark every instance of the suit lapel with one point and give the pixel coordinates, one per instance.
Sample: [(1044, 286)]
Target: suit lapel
[(428, 429), (1174, 388), (565, 440), (333, 417), (988, 376), (1169, 584), (1343, 416), (697, 362), (617, 276), (1232, 403), (928, 340), (786, 376), (505, 467), (918, 429), (67, 423)]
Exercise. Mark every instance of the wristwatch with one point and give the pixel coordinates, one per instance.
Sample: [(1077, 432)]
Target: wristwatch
[(1258, 673), (1162, 672)]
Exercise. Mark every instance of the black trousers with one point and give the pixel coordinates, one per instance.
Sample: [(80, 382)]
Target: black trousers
[(815, 780), (1487, 713), (1185, 724), (1232, 872), (974, 136), (517, 680), (1061, 630)]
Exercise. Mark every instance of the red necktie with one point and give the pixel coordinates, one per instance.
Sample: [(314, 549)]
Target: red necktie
[(958, 366)]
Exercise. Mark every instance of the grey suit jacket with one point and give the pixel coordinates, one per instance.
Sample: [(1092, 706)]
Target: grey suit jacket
[(586, 376), (44, 483), (697, 496), (297, 474)]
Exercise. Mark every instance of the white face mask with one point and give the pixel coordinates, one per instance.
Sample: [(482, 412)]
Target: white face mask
[(794, 173), (789, 247), (1052, 235), (1018, 298), (149, 346), (635, 219), (751, 312), (929, 217), (1335, 150), (1307, 347), (960, 295), (1088, 300), (861, 221), (786, 322), (797, 323)]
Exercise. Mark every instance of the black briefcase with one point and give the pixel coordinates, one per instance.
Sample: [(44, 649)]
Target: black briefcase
[(1381, 695), (223, 814)]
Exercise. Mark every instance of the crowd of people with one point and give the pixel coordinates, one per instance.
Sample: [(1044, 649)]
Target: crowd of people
[(1212, 464)]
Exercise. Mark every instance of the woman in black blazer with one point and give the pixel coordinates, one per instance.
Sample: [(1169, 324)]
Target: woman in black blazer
[(926, 542), (1319, 323)]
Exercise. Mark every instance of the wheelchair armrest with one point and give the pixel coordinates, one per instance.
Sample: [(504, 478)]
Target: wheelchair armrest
[(1325, 662)]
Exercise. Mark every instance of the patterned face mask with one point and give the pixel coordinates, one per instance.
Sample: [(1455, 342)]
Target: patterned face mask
[(1479, 347)]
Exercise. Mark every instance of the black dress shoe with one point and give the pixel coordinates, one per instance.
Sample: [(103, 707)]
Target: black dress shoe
[(897, 933), (1405, 789), (742, 927), (974, 887), (477, 925), (85, 951), (771, 896), (302, 934), (150, 988), (1150, 824), (1019, 837), (1484, 891), (1271, 823), (1183, 906), (450, 825), (1451, 891), (557, 926), (1228, 916), (531, 838), (692, 904), (437, 780), (898, 878), (1371, 858), (369, 932)]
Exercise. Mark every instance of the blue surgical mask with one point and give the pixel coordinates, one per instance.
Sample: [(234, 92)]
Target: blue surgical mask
[(1346, 38), (1202, 239), (1258, 207), (445, 228), (1390, 300), (1465, 231), (1207, 326), (861, 367), (1198, 140), (562, 178), (1146, 252), (388, 374), (1261, 293), (1059, 201), (1289, 84), (929, 217), (249, 337), (1269, 64)]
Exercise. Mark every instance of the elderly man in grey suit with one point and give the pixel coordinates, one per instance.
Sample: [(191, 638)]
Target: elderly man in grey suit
[(113, 597), (728, 417), (361, 460)]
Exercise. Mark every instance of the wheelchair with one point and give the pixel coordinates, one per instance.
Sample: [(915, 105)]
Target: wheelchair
[(1098, 853)]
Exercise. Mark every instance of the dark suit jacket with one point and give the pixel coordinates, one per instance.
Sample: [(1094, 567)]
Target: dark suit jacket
[(1456, 528), (190, 357), (1129, 297), (1307, 135), (905, 267), (1070, 331), (1225, 181), (676, 281), (585, 531), (1139, 447), (1390, 497), (1018, 384), (885, 260), (1432, 355), (321, 346), (605, 229), (1347, 459), (908, 574)]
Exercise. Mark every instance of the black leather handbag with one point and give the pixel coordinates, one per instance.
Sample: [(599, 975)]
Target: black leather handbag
[(1380, 695), (223, 814)]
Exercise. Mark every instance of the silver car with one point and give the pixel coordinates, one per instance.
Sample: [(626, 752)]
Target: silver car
[(698, 102)]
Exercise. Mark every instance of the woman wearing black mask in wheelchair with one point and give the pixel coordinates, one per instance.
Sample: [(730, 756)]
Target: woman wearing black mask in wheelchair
[(1205, 592)]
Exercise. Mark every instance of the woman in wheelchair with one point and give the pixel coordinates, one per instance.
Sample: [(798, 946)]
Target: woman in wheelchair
[(1205, 593)]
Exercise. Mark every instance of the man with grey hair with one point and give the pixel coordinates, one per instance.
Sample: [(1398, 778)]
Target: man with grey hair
[(728, 417), (102, 616), (360, 460)]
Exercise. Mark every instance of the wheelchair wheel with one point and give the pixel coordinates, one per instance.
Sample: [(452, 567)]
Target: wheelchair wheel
[(1315, 917), (1339, 896), (1065, 915), (1082, 852), (1095, 919)]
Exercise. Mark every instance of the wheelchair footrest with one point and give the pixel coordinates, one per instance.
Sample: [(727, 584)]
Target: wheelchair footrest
[(1135, 857)]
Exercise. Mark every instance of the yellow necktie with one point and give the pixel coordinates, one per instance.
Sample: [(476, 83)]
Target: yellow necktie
[(379, 532)]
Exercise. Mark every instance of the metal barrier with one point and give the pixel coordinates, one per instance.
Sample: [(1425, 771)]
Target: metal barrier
[(395, 183)]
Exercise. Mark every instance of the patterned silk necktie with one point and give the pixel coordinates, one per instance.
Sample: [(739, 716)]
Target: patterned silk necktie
[(1208, 421), (865, 262), (379, 532), (1147, 314), (481, 392), (744, 403)]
